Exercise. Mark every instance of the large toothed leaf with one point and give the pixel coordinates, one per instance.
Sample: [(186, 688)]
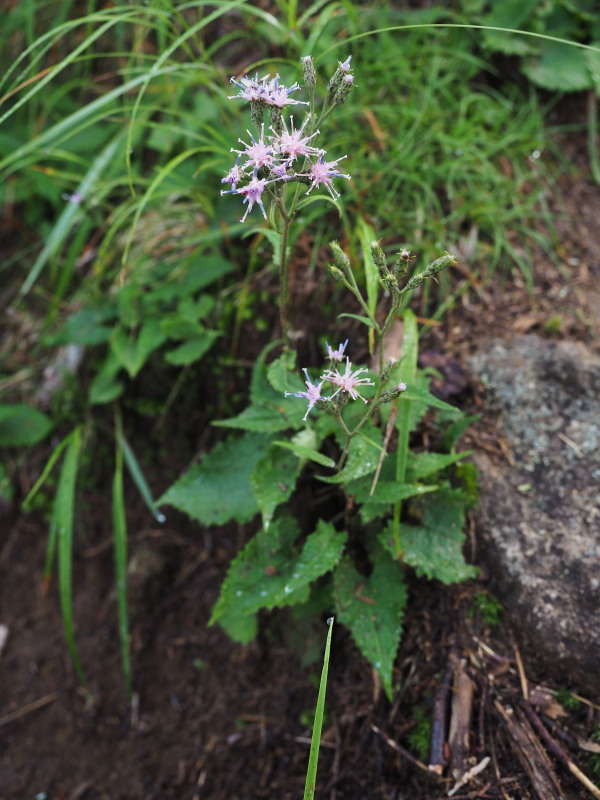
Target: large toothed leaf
[(434, 548), (272, 570), (274, 480), (218, 489), (373, 609)]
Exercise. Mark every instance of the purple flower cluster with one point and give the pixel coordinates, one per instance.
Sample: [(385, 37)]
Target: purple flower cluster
[(348, 381), (285, 154)]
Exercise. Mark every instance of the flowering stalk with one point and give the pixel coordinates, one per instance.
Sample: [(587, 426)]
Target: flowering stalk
[(271, 161)]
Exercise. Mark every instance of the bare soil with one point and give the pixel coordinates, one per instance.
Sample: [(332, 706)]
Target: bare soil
[(210, 719)]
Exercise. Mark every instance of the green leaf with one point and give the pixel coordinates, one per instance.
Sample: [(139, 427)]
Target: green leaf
[(62, 529), (373, 609), (592, 60), (315, 742), (86, 327), (282, 374), (422, 464), (307, 453), (264, 418), (422, 395), (363, 456), (271, 571), (364, 320), (218, 489), (434, 548), (366, 235), (559, 67), (386, 493), (274, 480), (192, 350), (22, 425), (132, 352)]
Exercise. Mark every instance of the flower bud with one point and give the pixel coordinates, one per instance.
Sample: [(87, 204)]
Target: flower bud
[(310, 74), (340, 83), (393, 393), (341, 259), (336, 273)]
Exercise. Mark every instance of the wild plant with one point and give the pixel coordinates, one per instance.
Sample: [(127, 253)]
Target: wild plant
[(388, 508)]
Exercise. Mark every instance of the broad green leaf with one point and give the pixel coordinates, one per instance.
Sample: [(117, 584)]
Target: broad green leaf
[(434, 548), (386, 494), (422, 464), (192, 350), (363, 457), (264, 418), (272, 571), (218, 489), (282, 374), (87, 326), (274, 480), (559, 67), (132, 352), (373, 609), (592, 60), (22, 425)]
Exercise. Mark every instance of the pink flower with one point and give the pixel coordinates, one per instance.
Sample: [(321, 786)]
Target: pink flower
[(253, 194), (313, 395), (266, 90), (336, 355), (322, 172), (234, 176), (348, 381), (292, 143), (259, 153)]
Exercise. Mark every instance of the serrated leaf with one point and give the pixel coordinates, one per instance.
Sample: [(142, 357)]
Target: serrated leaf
[(263, 418), (274, 480), (282, 376), (21, 424), (434, 548), (218, 489), (386, 494), (422, 464), (363, 457), (272, 571), (373, 609)]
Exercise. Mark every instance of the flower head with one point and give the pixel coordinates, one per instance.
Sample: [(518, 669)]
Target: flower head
[(292, 143), (313, 393), (322, 172), (336, 355), (348, 381), (260, 154), (234, 176), (253, 194), (266, 90)]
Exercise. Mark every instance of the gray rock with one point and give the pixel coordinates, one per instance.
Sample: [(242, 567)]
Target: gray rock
[(539, 516)]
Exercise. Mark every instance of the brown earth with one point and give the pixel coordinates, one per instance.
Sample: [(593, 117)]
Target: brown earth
[(210, 719)]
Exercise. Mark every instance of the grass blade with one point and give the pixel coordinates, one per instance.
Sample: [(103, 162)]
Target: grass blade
[(138, 476), (313, 760), (120, 550), (62, 522), (407, 372)]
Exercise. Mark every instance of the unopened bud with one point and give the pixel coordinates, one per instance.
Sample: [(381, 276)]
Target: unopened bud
[(310, 74), (379, 259), (341, 259), (336, 273), (400, 267), (340, 83), (393, 393)]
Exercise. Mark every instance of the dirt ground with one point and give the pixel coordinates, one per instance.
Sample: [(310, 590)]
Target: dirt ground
[(213, 720)]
